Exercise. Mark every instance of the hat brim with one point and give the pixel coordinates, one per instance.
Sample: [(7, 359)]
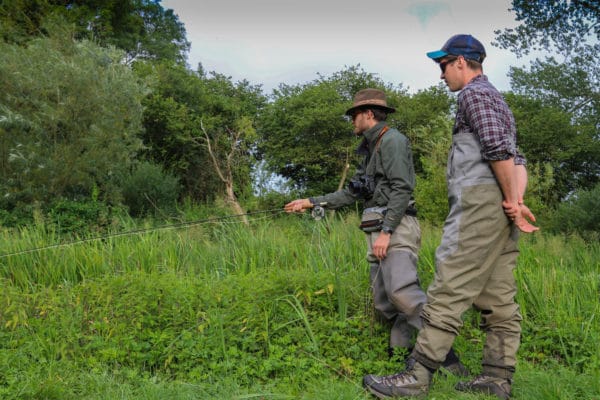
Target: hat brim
[(389, 110), (437, 54)]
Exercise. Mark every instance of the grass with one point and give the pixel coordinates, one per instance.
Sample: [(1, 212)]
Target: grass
[(277, 310)]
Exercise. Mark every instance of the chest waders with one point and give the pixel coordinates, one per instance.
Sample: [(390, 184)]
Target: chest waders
[(474, 265), (397, 294)]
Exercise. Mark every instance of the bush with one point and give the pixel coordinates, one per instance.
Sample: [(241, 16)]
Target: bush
[(580, 215), (71, 130), (79, 217), (431, 193), (20, 215), (150, 190)]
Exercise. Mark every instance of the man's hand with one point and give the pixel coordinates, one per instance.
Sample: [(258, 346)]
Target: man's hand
[(298, 205), (520, 214), (380, 245)]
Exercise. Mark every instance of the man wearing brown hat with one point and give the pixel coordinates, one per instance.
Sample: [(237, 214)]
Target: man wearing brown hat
[(385, 181)]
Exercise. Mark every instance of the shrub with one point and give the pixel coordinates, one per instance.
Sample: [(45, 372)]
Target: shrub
[(431, 192), (580, 214), (78, 217), (149, 189)]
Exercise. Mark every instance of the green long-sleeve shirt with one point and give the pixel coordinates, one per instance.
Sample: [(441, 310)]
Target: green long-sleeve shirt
[(391, 165)]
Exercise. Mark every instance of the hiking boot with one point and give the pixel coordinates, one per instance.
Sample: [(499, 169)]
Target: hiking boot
[(487, 384), (414, 381)]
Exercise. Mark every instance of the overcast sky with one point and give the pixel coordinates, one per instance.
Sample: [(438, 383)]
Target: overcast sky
[(269, 42)]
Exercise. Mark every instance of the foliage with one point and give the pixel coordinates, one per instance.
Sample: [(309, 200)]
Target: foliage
[(418, 114), (304, 137), (180, 104), (69, 116), (562, 26), (142, 28), (567, 90), (149, 190), (281, 309), (431, 192), (549, 136), (68, 217), (552, 131), (580, 214)]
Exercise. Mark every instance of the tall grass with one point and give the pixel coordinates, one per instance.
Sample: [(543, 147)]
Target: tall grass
[(280, 309), (559, 296)]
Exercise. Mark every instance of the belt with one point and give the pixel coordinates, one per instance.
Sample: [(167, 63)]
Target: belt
[(411, 210)]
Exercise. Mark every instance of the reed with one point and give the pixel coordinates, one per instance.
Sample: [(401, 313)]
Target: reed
[(277, 309)]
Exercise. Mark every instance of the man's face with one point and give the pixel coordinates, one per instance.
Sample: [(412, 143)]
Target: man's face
[(451, 72), (360, 121)]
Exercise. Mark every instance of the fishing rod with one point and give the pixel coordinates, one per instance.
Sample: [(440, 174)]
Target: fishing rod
[(140, 231)]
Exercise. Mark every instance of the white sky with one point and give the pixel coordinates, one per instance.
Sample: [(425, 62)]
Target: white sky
[(269, 42)]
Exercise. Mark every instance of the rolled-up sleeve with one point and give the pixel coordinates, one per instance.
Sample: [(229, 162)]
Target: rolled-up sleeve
[(491, 120)]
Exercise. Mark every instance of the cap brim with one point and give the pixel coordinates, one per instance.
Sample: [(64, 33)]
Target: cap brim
[(389, 110), (437, 54)]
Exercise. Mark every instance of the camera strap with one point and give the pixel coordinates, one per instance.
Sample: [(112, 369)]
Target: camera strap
[(384, 130), (370, 169)]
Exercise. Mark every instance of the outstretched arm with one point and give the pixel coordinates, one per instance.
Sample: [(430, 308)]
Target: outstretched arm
[(298, 205)]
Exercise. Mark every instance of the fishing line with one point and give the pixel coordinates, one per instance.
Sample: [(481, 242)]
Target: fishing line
[(140, 231)]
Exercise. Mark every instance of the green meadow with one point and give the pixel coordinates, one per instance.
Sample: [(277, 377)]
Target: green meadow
[(279, 309)]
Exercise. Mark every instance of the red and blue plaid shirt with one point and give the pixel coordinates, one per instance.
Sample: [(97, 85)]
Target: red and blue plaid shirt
[(483, 111)]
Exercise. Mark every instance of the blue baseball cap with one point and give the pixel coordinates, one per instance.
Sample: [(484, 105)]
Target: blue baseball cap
[(460, 45)]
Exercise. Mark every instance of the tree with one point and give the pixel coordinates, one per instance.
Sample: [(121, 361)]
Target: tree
[(224, 162), (70, 113), (431, 192), (568, 88), (142, 28), (304, 136), (187, 111), (579, 214), (419, 115), (548, 135)]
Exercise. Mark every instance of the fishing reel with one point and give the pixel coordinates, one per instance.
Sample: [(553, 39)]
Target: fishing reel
[(317, 213)]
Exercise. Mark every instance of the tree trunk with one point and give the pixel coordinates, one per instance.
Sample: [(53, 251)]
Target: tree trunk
[(232, 200)]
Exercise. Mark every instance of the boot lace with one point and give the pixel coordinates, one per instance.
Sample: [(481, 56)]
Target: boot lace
[(399, 379)]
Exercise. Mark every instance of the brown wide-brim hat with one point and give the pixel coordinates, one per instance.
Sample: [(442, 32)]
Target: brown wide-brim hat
[(370, 98)]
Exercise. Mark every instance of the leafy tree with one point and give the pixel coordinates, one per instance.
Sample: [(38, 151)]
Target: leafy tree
[(305, 139), (142, 28), (548, 135), (304, 135), (21, 20), (580, 214), (70, 113), (431, 192), (182, 103), (567, 89), (419, 116)]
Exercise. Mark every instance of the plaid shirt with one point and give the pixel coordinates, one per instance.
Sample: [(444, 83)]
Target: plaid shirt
[(483, 111)]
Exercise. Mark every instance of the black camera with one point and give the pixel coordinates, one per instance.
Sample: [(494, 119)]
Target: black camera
[(364, 186)]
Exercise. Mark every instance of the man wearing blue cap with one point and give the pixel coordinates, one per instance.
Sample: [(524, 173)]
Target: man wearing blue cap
[(475, 260)]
